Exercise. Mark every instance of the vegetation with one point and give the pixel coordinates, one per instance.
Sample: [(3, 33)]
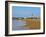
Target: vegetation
[(31, 23)]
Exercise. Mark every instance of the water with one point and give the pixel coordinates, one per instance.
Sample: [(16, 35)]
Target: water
[(18, 24)]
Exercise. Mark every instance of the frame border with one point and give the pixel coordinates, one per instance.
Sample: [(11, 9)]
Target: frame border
[(6, 18)]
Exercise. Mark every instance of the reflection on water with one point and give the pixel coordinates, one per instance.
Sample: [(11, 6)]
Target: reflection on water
[(18, 24)]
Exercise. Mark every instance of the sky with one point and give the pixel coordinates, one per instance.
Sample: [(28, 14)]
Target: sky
[(18, 11)]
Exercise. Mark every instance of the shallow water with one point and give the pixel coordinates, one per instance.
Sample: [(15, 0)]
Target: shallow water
[(18, 24)]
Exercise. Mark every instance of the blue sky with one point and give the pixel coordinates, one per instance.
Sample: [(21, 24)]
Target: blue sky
[(18, 11)]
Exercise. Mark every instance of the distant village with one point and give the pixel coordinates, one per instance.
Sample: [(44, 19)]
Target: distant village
[(30, 17)]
